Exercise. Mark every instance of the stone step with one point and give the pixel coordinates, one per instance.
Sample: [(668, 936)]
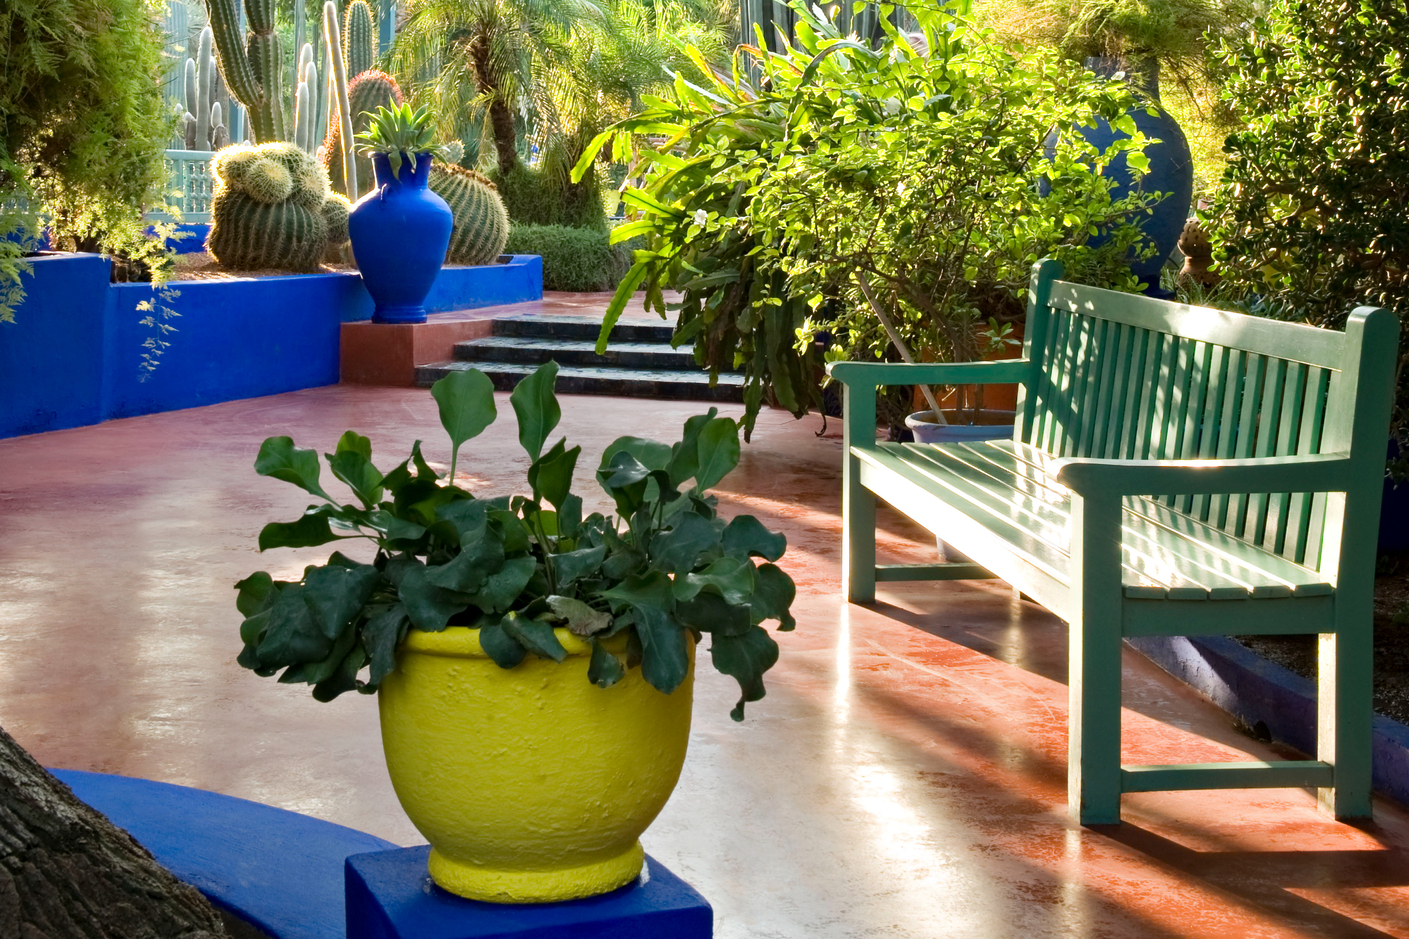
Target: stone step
[(579, 328), (677, 384), (523, 351)]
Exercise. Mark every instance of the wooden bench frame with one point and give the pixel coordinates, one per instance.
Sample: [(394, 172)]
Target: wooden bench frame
[(1346, 469)]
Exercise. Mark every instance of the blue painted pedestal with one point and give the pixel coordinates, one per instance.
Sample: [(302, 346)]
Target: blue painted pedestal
[(390, 896)]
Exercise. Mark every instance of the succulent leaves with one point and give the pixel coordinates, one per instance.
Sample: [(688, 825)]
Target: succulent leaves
[(638, 588), (402, 134)]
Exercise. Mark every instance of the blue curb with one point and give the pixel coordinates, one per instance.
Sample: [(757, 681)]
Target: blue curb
[(279, 870), (1257, 691)]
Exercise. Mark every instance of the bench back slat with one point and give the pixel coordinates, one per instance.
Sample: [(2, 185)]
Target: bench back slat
[(1125, 377)]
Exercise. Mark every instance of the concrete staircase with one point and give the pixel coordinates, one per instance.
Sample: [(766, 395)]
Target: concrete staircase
[(639, 362)]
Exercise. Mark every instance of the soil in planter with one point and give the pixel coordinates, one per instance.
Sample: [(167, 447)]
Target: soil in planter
[(1298, 653), (199, 265)]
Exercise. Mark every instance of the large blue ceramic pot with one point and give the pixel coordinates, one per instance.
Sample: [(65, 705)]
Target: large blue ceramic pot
[(399, 232), (1171, 170)]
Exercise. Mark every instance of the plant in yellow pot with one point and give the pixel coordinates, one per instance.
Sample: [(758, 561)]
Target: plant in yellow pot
[(534, 664)]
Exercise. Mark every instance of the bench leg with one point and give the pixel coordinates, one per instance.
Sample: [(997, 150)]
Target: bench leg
[(1345, 705), (858, 562), (1093, 671)]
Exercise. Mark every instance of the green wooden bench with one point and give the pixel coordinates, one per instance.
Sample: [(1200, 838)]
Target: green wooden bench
[(1174, 471)]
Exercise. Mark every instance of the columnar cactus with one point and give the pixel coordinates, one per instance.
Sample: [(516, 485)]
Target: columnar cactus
[(357, 41), (251, 63), (306, 101), (481, 223), (369, 91), (272, 209), (204, 121)]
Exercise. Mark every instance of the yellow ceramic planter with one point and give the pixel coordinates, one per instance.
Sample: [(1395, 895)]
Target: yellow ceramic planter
[(531, 784)]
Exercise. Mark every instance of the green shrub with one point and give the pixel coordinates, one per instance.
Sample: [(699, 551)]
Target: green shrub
[(1311, 217), (534, 198), (576, 259)]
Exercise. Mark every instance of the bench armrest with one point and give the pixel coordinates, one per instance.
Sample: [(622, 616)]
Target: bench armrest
[(863, 374), (1322, 472)]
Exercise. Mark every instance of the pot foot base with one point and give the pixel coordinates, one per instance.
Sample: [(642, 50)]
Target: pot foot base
[(399, 314), (547, 886)]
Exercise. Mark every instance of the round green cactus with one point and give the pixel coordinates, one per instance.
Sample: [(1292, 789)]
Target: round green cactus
[(272, 209), (481, 223), (366, 93)]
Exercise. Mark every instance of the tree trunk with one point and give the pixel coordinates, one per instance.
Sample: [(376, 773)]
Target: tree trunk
[(501, 119), (66, 872)]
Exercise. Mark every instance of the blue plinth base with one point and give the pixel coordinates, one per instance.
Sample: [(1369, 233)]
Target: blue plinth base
[(390, 896)]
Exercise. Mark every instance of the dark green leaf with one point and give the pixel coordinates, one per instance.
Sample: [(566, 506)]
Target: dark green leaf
[(665, 656), (653, 590), (625, 479), (353, 442), (733, 578), (651, 454), (570, 517), (746, 537), (469, 518), (604, 669), (279, 458), (718, 451), (573, 565), (292, 636), (253, 628), (476, 562), (423, 469), (537, 408), (344, 679), (501, 589), (337, 594), (429, 607), (773, 596), (354, 469), (745, 658), (381, 634), (255, 592), (316, 672), (711, 613), (309, 531), (680, 549), (503, 648), (466, 401), (551, 475), (534, 636), (685, 455)]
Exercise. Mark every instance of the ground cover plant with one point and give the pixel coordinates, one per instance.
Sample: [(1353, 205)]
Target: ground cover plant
[(638, 586), (915, 173)]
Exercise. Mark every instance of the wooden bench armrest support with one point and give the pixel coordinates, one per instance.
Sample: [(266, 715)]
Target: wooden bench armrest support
[(873, 374), (1321, 472)]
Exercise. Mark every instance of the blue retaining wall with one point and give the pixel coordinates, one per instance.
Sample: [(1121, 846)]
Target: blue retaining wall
[(73, 355)]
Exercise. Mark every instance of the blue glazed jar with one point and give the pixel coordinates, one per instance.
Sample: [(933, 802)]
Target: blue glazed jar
[(1171, 169), (400, 231)]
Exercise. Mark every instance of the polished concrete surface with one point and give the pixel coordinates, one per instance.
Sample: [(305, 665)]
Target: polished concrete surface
[(904, 777)]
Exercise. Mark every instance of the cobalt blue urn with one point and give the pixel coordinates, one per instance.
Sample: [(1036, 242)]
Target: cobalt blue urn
[(1171, 168), (400, 231)]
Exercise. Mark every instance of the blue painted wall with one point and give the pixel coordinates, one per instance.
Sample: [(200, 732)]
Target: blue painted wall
[(74, 354), (51, 356)]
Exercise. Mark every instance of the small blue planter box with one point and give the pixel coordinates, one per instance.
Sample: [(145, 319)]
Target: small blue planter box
[(390, 896), (73, 355)]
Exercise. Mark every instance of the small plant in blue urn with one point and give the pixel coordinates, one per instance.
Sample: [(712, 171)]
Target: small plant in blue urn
[(401, 229)]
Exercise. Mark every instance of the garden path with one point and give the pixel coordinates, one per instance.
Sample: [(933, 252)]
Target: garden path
[(905, 777)]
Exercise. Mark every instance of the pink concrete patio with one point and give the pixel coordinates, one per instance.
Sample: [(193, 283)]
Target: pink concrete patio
[(905, 776)]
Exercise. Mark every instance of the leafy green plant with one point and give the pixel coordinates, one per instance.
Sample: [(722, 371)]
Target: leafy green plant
[(661, 573), (576, 259), (402, 133), (850, 186), (1309, 219)]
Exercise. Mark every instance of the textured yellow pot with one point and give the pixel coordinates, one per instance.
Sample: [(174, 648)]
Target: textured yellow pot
[(531, 784)]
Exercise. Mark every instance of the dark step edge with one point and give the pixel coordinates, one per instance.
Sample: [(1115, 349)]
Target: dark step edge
[(545, 328), (665, 389), (666, 358)]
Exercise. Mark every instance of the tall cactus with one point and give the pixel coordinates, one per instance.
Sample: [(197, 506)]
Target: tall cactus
[(272, 209), (481, 223), (369, 91), (204, 123), (306, 101), (251, 62), (357, 41), (337, 88)]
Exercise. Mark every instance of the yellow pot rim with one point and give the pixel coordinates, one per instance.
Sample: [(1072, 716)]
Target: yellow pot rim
[(463, 642)]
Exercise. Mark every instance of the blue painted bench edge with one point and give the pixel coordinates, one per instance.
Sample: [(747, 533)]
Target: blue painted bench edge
[(279, 870), (1256, 690)]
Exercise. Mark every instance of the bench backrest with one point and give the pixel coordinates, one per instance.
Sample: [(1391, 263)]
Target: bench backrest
[(1128, 377)]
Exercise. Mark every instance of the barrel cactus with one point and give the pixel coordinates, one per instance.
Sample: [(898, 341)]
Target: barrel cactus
[(366, 93), (481, 223), (272, 209)]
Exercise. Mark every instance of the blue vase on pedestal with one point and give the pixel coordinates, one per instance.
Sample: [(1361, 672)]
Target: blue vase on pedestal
[(1171, 168), (400, 231)]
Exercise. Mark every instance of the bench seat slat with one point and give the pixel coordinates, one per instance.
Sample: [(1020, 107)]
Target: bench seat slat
[(1166, 554)]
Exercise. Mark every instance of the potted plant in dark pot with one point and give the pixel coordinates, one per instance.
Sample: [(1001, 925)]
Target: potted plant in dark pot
[(534, 665), (401, 229)]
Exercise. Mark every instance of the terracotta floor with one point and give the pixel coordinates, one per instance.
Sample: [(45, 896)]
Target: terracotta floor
[(903, 778)]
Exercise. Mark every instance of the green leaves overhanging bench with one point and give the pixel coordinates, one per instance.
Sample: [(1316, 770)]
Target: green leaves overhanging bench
[(1175, 471)]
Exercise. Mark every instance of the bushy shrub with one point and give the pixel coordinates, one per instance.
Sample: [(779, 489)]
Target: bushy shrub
[(912, 175), (576, 259), (82, 124), (535, 198), (1311, 217)]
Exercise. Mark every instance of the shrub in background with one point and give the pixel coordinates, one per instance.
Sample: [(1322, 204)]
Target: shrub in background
[(1311, 217), (534, 198), (576, 259)]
